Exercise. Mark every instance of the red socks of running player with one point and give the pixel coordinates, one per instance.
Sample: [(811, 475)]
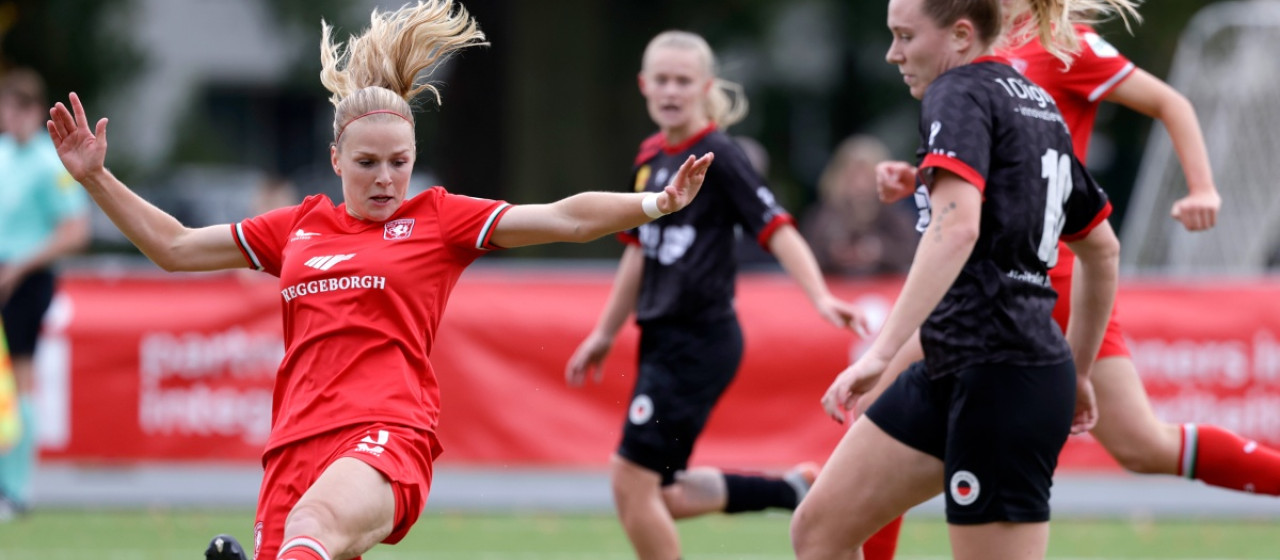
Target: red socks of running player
[(1221, 458), (884, 543), (303, 548)]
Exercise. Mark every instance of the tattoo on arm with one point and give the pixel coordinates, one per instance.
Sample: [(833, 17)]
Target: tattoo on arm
[(942, 216)]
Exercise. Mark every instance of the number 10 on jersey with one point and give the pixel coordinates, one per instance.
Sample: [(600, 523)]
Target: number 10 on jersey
[(1057, 169)]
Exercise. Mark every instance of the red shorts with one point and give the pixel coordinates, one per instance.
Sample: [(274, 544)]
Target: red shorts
[(401, 454), (1113, 344)]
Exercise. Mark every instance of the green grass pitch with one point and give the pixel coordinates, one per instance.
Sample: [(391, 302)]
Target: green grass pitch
[(178, 534)]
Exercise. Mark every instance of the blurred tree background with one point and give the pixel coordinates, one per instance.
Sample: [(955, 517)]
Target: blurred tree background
[(552, 106), (80, 44)]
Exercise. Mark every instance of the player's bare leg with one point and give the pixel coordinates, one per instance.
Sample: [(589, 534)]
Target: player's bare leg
[(869, 480), (1130, 431), (1127, 426), (702, 490), (347, 511), (697, 491), (1000, 541), (18, 464), (884, 543), (644, 516)]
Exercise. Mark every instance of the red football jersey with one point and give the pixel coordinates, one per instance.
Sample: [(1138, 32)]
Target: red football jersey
[(362, 301), (1079, 89)]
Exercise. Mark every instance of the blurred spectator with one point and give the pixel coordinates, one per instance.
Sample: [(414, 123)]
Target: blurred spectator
[(43, 216), (851, 232)]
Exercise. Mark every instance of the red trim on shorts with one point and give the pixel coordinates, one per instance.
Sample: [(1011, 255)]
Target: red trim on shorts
[(627, 238), (1113, 343), (1102, 215), (955, 166)]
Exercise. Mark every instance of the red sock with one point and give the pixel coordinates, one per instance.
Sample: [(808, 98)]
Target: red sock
[(303, 548), (884, 543), (1221, 458)]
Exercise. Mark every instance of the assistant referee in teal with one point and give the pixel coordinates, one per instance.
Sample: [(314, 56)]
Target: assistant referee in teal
[(43, 216)]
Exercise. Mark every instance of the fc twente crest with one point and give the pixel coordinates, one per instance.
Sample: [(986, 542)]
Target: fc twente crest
[(397, 229)]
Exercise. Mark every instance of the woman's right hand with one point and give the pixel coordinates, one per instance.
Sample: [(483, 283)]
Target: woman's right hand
[(1086, 414), (82, 151), (588, 359), (855, 381), (895, 180)]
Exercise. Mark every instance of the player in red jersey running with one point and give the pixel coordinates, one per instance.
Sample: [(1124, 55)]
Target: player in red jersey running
[(1129, 430), (363, 284)]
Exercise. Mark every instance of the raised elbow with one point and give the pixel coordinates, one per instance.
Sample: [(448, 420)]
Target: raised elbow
[(580, 233), (965, 235), (1173, 106), (167, 264), (169, 257)]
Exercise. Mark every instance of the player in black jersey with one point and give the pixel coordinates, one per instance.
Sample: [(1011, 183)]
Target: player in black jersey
[(677, 275), (986, 413)]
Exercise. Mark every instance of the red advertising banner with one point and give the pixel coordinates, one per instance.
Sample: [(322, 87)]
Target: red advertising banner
[(179, 368), (159, 368)]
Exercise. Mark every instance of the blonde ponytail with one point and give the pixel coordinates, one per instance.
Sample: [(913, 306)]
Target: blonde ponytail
[(377, 72), (1052, 22), (726, 104)]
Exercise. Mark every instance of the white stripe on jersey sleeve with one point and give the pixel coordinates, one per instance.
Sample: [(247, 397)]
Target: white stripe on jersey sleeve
[(488, 225), (1106, 86), (253, 258)]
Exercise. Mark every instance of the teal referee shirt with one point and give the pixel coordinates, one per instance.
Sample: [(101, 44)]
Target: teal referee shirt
[(36, 194)]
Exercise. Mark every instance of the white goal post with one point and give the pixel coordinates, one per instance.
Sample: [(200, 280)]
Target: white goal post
[(1228, 65)]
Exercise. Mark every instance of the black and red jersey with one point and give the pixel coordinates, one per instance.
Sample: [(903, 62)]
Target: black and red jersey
[(996, 129), (1096, 71), (690, 262)]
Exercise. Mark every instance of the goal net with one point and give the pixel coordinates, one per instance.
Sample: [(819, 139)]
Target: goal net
[(1226, 64)]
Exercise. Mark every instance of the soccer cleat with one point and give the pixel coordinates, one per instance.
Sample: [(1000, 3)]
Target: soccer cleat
[(225, 547), (801, 478)]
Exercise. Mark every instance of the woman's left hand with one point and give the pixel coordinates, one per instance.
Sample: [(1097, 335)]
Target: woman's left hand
[(685, 184), (1197, 212)]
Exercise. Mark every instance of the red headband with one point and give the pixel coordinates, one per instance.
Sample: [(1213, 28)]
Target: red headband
[(387, 111)]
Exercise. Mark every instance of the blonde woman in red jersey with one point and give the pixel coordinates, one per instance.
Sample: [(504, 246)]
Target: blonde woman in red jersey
[(1129, 428), (363, 285)]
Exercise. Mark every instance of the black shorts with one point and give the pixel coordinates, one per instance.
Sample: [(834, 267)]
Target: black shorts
[(683, 371), (24, 312), (998, 429)]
